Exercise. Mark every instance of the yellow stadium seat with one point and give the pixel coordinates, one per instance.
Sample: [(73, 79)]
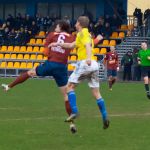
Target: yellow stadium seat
[(26, 56), (3, 65), (94, 58), (42, 33), (114, 35), (16, 49), (17, 65), (112, 43), (23, 65), (124, 27), (44, 40), (35, 65), (13, 56), (106, 42), (4, 48), (20, 56), (39, 41), (74, 51), (130, 27), (73, 58), (96, 50), (7, 56), (68, 58), (29, 65), (1, 56), (39, 57), (45, 58), (41, 49), (10, 48), (121, 34), (32, 41), (10, 65), (103, 51), (29, 49), (74, 33), (33, 56), (23, 49), (71, 67), (36, 49)]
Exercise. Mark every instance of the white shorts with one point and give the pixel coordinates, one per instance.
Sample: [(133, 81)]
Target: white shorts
[(83, 71)]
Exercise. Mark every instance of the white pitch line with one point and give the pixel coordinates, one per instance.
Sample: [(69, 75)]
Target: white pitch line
[(51, 118)]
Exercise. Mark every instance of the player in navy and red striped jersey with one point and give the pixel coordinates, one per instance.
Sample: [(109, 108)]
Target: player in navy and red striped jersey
[(55, 65), (111, 62)]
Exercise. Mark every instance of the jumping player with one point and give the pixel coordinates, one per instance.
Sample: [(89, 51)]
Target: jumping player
[(111, 63), (55, 66), (86, 68)]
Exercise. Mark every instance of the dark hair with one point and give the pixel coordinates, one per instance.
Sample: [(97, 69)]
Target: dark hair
[(64, 25), (84, 21)]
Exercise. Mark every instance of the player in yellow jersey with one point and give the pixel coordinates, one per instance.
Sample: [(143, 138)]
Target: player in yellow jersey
[(86, 68)]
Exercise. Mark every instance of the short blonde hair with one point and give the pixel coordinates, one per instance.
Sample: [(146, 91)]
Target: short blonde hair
[(84, 21)]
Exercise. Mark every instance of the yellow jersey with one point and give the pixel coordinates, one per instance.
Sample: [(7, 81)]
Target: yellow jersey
[(83, 37)]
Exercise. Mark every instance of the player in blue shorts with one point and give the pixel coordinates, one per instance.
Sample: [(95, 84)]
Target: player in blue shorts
[(55, 65)]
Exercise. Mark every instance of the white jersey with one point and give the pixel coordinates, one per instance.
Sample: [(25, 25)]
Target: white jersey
[(83, 71)]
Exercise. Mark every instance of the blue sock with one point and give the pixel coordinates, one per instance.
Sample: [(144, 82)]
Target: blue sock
[(101, 105), (72, 101)]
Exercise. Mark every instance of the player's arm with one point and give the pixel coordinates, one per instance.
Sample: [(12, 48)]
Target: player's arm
[(88, 53), (98, 39), (64, 45), (117, 62)]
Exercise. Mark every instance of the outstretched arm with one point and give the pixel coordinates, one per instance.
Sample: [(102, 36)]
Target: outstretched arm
[(63, 45)]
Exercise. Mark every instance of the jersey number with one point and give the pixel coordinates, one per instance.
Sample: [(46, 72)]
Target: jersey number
[(61, 38)]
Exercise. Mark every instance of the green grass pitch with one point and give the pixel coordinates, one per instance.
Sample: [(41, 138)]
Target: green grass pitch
[(32, 118)]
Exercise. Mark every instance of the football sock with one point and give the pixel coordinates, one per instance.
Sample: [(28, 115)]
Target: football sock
[(110, 84), (72, 102), (68, 108), (147, 88), (113, 81), (23, 77), (101, 105)]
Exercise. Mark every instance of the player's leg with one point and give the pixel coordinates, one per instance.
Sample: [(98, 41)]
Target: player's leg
[(72, 101), (61, 78), (20, 79), (109, 74), (145, 75), (114, 76), (63, 90), (101, 105), (94, 85)]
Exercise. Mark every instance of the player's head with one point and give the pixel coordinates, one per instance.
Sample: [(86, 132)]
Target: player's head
[(62, 26), (144, 45), (112, 48), (82, 22)]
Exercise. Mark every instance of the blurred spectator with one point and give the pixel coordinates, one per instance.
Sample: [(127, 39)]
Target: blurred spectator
[(11, 37), (146, 13), (115, 22), (137, 13), (126, 64), (98, 26), (106, 30), (34, 28), (136, 66)]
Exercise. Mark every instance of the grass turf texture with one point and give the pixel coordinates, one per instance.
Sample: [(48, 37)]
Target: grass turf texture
[(32, 118)]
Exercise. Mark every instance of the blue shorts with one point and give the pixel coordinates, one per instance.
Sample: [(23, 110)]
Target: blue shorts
[(112, 73), (57, 70)]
